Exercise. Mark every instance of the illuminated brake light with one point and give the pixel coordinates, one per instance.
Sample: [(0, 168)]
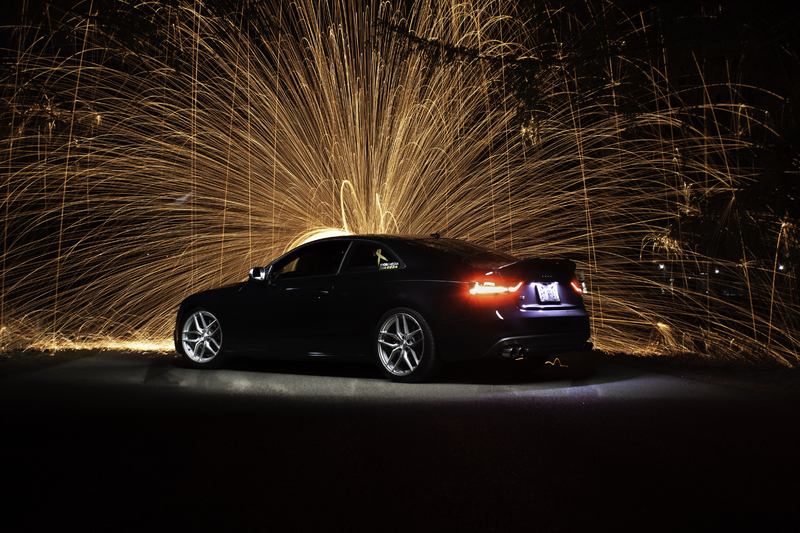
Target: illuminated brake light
[(492, 287), (577, 287)]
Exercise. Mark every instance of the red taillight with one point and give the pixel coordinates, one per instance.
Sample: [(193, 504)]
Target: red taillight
[(576, 285), (494, 286)]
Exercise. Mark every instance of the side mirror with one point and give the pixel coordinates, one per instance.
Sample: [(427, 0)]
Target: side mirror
[(258, 274)]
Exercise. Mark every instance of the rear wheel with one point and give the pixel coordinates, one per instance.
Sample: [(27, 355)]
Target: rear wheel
[(404, 347), (201, 340)]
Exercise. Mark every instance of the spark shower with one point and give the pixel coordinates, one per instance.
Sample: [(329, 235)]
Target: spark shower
[(153, 149)]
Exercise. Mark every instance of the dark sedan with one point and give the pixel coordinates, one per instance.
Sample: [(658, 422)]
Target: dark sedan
[(408, 303)]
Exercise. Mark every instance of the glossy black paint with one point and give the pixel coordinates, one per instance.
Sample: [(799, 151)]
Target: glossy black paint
[(335, 312)]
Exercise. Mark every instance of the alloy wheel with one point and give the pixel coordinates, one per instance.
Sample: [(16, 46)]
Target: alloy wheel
[(201, 337), (401, 344)]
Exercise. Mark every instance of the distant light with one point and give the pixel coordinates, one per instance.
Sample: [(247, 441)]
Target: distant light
[(661, 266), (716, 271), (780, 267)]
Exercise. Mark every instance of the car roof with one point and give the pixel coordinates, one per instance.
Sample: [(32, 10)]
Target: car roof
[(419, 247)]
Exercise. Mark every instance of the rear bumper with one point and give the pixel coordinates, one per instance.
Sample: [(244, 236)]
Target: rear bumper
[(517, 336), (520, 347)]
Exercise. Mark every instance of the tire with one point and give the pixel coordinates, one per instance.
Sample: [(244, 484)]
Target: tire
[(201, 340), (404, 347)]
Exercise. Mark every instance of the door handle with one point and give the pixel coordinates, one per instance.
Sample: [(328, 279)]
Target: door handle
[(320, 293)]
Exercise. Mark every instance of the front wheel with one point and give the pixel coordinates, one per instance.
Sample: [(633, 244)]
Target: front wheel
[(201, 340), (404, 346)]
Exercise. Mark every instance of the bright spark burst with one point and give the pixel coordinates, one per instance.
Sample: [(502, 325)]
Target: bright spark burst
[(156, 149)]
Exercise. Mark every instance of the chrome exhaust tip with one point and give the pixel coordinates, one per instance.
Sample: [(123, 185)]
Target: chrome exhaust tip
[(514, 352)]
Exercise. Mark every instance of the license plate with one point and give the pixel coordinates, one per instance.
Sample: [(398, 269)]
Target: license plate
[(548, 293)]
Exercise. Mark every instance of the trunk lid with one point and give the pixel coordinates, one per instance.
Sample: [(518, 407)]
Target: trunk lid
[(546, 283)]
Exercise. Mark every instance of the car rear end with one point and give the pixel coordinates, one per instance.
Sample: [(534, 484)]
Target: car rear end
[(529, 307), (506, 306)]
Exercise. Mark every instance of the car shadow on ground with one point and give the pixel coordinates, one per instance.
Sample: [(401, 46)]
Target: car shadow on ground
[(509, 372), (308, 367), (569, 369)]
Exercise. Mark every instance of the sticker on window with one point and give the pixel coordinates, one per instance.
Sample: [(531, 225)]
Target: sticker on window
[(380, 256)]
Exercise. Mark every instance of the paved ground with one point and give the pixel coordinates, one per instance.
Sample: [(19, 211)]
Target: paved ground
[(772, 381), (769, 380), (137, 441)]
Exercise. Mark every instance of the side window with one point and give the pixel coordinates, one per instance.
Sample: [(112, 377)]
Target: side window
[(371, 256), (317, 260)]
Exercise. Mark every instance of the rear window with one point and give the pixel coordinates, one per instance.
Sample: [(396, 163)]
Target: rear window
[(465, 252)]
